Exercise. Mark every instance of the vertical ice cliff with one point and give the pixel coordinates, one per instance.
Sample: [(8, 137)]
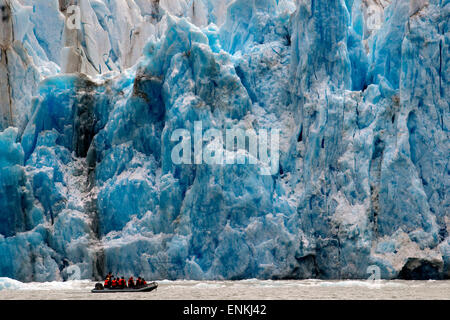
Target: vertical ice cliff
[(91, 92), (361, 187), (41, 38)]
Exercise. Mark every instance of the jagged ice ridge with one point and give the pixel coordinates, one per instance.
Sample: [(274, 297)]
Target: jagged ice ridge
[(86, 117)]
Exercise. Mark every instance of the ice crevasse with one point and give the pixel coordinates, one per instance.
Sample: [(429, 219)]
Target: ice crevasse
[(359, 90)]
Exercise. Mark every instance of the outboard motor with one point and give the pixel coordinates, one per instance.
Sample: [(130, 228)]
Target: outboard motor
[(99, 286)]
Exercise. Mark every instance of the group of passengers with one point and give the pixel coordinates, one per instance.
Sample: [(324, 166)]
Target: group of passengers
[(120, 283)]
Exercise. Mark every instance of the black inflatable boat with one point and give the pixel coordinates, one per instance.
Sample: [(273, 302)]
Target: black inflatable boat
[(100, 289)]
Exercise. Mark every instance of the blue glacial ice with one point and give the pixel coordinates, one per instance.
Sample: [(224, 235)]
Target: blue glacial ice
[(358, 89)]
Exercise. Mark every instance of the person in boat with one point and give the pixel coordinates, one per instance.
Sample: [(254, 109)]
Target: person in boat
[(109, 276), (107, 282), (143, 282), (113, 283), (131, 283), (122, 283), (138, 282)]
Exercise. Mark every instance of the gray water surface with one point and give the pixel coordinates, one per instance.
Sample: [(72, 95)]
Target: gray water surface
[(239, 290)]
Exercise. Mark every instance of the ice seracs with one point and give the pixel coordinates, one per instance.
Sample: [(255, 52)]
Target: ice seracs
[(358, 90)]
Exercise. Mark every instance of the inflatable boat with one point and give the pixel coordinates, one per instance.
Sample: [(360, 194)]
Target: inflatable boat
[(99, 288)]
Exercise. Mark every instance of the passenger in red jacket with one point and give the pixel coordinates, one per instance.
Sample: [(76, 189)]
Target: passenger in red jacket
[(107, 283), (114, 283), (131, 283), (138, 282), (122, 283)]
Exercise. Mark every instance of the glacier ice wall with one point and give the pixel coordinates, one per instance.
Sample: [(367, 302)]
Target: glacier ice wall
[(358, 89)]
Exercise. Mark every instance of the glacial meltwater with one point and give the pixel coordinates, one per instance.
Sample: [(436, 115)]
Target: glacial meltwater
[(235, 290)]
